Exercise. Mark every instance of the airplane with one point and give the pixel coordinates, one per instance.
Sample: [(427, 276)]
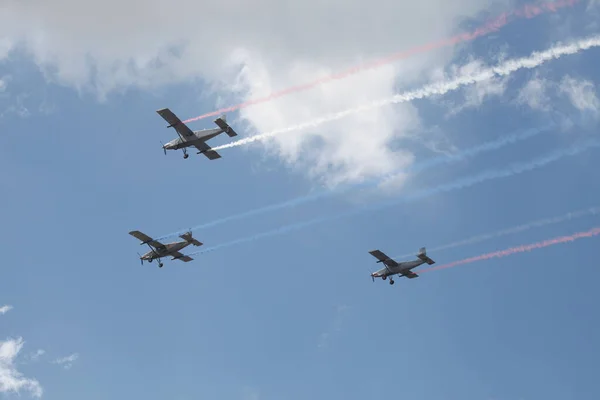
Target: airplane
[(401, 268), (159, 250), (188, 138)]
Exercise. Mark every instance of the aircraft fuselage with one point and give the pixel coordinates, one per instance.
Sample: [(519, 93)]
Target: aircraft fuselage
[(403, 266), (202, 135), (170, 248)]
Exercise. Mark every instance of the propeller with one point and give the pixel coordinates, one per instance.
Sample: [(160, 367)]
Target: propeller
[(141, 259), (163, 146)]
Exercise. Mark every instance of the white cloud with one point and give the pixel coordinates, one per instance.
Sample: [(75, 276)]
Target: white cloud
[(17, 106), (3, 84), (538, 93), (275, 45), (534, 94), (476, 94), (35, 356), (66, 362), (11, 380), (5, 47), (581, 93), (6, 308)]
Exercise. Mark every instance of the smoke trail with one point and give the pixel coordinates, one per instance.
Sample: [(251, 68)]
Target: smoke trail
[(512, 170), (489, 146), (519, 249), (439, 88), (509, 231), (527, 11)]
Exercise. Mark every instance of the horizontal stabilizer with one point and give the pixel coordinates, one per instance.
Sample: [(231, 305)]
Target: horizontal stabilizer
[(426, 259), (188, 238), (221, 123)]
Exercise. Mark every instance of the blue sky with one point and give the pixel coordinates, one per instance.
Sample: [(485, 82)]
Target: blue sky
[(295, 315)]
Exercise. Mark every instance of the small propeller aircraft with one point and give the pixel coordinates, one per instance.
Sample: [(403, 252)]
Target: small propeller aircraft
[(188, 138), (398, 268), (159, 250)]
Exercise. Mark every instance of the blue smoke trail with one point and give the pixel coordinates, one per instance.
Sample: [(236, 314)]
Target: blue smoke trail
[(489, 146), (514, 169)]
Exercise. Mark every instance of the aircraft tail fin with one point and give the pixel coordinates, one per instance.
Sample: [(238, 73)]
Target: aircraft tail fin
[(423, 256), (188, 238)]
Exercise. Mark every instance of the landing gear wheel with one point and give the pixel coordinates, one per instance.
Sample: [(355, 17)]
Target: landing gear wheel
[(384, 277), (160, 265), (186, 155), (391, 281)]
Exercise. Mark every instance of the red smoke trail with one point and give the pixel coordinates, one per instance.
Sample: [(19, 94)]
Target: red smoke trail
[(519, 249), (527, 11)]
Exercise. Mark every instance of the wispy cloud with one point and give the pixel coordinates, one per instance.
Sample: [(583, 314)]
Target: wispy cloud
[(66, 362), (11, 380), (3, 84), (534, 94), (35, 356), (581, 93), (334, 327), (5, 309)]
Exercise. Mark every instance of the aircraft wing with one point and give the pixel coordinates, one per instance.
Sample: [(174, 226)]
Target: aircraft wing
[(206, 150), (147, 239), (409, 274), (382, 257), (179, 256), (175, 122)]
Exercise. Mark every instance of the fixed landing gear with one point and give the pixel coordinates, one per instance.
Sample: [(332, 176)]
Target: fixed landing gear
[(391, 281), (185, 154), (160, 264)]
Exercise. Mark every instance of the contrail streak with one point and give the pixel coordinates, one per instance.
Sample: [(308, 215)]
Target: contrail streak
[(519, 249), (514, 169), (527, 11), (439, 88), (509, 231), (471, 152)]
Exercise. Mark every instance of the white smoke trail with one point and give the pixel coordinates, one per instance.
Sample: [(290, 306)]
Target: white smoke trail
[(439, 88), (509, 231)]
